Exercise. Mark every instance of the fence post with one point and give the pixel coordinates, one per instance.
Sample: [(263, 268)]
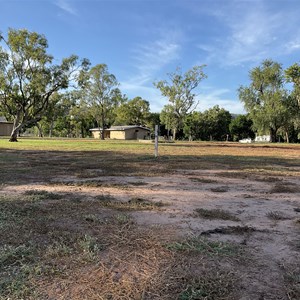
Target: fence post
[(156, 141)]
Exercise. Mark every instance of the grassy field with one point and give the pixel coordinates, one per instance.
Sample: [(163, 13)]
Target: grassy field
[(89, 219)]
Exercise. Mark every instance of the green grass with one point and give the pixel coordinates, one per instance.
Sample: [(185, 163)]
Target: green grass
[(211, 286), (206, 247)]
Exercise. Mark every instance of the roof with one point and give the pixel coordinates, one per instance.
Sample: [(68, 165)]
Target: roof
[(121, 128), (3, 119)]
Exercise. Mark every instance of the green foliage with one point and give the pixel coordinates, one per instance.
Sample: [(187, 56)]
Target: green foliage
[(265, 99), (28, 78), (133, 112), (241, 127), (212, 124), (101, 94), (179, 91)]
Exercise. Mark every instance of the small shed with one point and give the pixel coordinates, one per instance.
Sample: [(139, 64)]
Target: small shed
[(127, 132), (5, 127)]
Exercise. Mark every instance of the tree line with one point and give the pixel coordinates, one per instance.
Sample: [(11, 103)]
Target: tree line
[(69, 98)]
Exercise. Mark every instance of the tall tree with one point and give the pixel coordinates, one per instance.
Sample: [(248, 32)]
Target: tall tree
[(217, 122), (265, 98), (100, 88), (28, 78), (133, 112), (292, 75), (179, 90), (241, 127)]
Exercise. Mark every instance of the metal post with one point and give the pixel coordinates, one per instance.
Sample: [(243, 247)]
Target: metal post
[(156, 141)]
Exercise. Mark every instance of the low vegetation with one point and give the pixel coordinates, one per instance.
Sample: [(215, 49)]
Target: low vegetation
[(69, 227), (219, 214)]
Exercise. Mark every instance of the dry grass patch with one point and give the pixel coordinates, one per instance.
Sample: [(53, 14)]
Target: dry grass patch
[(220, 189), (218, 214), (292, 282), (277, 216), (202, 180), (285, 187), (239, 230), (133, 204)]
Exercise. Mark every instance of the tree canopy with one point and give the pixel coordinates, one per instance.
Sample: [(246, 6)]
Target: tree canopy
[(179, 90), (28, 77), (265, 98)]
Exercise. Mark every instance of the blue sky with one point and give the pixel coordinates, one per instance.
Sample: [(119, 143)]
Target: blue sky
[(143, 40)]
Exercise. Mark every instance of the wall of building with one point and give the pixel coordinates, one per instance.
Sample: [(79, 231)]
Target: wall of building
[(96, 134), (117, 134), (6, 129), (137, 134)]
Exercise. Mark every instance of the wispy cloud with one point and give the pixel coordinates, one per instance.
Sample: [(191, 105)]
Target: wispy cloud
[(218, 97), (148, 60), (250, 33), (66, 6)]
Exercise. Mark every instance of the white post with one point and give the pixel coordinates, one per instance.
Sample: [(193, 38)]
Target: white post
[(156, 141)]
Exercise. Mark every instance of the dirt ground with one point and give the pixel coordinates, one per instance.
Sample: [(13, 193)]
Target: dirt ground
[(264, 222), (273, 246)]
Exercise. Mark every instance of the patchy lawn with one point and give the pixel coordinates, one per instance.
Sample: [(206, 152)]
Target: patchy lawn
[(86, 219)]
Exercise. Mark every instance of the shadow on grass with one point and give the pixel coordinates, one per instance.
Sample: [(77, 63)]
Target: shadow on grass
[(22, 166)]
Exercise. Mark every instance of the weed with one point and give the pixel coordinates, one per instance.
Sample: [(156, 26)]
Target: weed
[(89, 246), (276, 215), (210, 287), (15, 283), (133, 204), (219, 214), (92, 218), (104, 197), (231, 230), (15, 255), (42, 195), (123, 219), (205, 246), (57, 250), (202, 180), (285, 187), (292, 282), (221, 189)]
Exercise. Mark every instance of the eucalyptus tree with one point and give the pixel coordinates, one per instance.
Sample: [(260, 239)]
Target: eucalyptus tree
[(28, 77), (179, 90), (292, 75), (241, 127), (101, 93), (265, 99), (134, 112)]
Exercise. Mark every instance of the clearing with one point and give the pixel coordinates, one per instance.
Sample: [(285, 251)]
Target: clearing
[(86, 219)]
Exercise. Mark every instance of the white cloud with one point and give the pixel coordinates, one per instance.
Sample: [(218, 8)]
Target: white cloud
[(148, 60), (251, 32), (218, 97), (66, 6), (150, 94)]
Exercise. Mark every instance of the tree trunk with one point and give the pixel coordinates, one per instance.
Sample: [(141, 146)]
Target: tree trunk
[(14, 135), (51, 128), (287, 136), (174, 134), (273, 135), (16, 129), (40, 129), (102, 121)]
